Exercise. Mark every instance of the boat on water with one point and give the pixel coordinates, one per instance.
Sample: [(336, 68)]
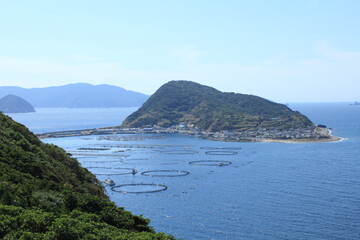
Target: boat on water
[(109, 182)]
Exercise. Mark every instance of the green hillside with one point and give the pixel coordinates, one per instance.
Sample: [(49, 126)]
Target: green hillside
[(212, 110), (46, 194)]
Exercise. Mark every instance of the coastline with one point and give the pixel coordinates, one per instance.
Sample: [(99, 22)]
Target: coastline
[(270, 140), (320, 135), (324, 133), (320, 140)]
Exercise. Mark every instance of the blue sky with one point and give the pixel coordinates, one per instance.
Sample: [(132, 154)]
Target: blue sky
[(286, 51)]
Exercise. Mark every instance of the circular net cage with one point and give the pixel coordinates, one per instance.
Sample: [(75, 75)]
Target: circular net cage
[(132, 137), (104, 161), (93, 149), (221, 148), (136, 159), (112, 171), (138, 188), (222, 153), (179, 152), (218, 163), (165, 173)]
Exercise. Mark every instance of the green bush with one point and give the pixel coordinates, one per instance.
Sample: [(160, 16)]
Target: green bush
[(46, 194)]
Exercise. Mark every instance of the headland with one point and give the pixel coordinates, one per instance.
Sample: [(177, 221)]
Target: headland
[(193, 109)]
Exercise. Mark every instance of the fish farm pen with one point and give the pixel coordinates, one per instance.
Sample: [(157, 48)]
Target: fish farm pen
[(219, 163), (139, 188), (165, 173)]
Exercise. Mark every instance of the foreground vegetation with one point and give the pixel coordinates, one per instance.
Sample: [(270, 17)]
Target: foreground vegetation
[(211, 110), (46, 194)]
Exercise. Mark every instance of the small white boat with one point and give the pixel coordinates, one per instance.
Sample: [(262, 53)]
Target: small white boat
[(109, 182)]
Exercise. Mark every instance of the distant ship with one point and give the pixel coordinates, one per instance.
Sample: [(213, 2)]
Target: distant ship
[(109, 182)]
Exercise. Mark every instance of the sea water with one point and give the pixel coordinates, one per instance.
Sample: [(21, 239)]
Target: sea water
[(269, 191), (62, 119)]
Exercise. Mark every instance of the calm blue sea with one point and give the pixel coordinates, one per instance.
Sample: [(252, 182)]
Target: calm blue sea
[(270, 191), (61, 119)]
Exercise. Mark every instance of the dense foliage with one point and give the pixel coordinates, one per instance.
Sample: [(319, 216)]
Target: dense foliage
[(212, 110), (46, 194)]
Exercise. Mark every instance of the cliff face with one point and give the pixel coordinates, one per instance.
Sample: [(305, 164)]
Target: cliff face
[(14, 104), (46, 194), (212, 110)]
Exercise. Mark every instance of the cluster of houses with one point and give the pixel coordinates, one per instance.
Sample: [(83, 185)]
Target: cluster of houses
[(262, 134), (249, 135), (183, 128)]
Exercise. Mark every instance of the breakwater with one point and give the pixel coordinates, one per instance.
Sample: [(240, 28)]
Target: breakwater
[(310, 134)]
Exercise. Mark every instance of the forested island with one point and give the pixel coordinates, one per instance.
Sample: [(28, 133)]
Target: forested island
[(14, 104), (197, 109), (46, 195)]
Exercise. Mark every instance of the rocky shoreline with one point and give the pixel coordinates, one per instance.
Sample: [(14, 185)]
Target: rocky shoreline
[(304, 140), (301, 135)]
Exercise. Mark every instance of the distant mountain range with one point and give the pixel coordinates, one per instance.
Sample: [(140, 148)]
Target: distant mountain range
[(209, 109), (14, 104), (80, 95)]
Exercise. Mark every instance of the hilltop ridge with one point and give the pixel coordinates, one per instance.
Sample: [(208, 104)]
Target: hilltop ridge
[(79, 95), (211, 110), (14, 104)]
